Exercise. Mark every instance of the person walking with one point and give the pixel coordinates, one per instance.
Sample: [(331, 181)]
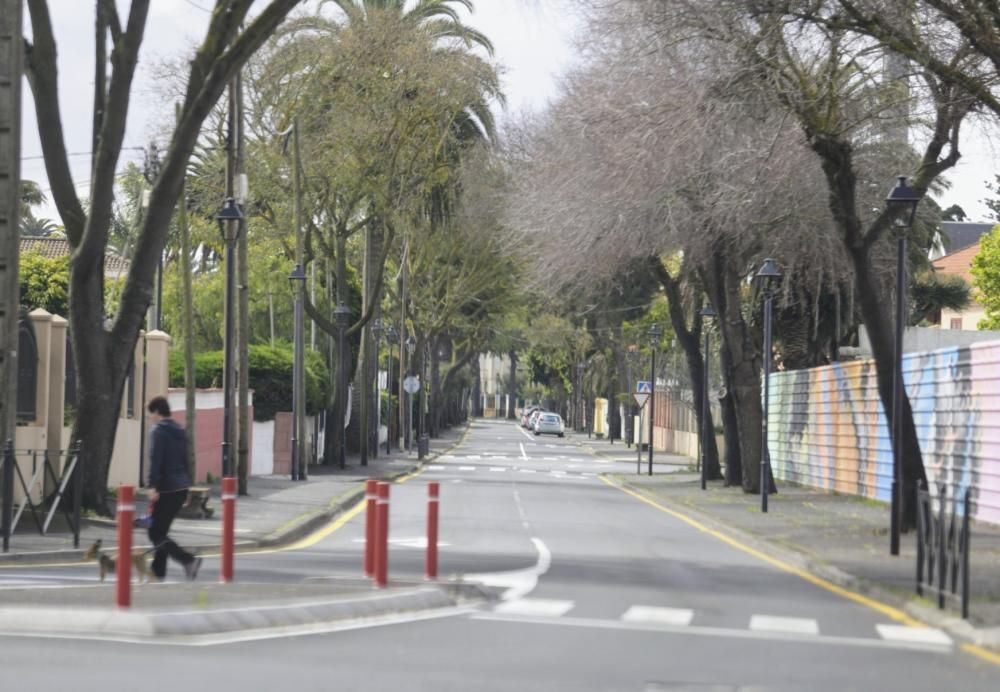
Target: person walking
[(168, 488)]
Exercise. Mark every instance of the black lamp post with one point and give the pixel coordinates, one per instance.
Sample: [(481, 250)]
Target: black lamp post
[(631, 352), (581, 417), (229, 218), (411, 345), (706, 312), (768, 276), (903, 200), (654, 342), (390, 336), (342, 315), (298, 281)]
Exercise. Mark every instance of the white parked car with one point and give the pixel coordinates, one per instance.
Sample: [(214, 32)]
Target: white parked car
[(549, 423)]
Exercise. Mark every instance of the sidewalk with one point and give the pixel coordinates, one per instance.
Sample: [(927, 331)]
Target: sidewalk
[(840, 538), (276, 512)]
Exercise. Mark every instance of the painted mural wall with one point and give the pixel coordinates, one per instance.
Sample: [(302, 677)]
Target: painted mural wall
[(826, 427)]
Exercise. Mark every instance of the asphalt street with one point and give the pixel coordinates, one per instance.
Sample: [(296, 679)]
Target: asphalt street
[(599, 591)]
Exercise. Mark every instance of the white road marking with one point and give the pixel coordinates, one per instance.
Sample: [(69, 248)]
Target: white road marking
[(518, 582), (526, 470), (668, 616), (497, 456), (472, 456), (466, 468), (548, 459), (524, 432), (413, 542), (589, 475), (540, 607), (435, 467), (524, 455), (695, 630), (494, 469), (913, 635), (770, 623)]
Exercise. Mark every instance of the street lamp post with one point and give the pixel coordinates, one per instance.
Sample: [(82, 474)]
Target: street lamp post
[(229, 218), (411, 345), (298, 281), (902, 199), (654, 342), (342, 315), (390, 336), (630, 355), (709, 312), (581, 419), (768, 276)]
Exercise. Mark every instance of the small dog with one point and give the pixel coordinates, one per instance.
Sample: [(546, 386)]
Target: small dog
[(107, 564)]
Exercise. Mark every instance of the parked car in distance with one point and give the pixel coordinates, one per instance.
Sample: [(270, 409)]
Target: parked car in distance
[(549, 423)]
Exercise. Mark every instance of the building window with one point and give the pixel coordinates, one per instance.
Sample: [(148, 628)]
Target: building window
[(956, 323)]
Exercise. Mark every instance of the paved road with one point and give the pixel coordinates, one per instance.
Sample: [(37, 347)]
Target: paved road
[(601, 592)]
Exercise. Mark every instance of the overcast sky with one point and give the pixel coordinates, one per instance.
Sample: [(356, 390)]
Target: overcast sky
[(533, 39)]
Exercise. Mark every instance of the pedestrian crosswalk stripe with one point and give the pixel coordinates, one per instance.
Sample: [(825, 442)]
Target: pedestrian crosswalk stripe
[(771, 623), (466, 468), (914, 635), (534, 606), (498, 468), (653, 614)]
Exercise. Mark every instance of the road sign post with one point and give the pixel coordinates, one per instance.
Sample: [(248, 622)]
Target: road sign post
[(640, 397)]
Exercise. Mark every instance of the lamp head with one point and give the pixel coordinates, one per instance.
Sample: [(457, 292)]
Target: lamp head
[(903, 199), (768, 274), (708, 311), (342, 314), (654, 334), (411, 344), (390, 333), (297, 277), (229, 217)]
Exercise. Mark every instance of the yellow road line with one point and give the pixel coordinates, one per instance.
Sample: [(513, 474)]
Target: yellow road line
[(877, 606)]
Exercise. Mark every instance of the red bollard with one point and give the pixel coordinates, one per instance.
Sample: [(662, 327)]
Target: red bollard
[(123, 566), (382, 535), (433, 490), (371, 490), (228, 527)]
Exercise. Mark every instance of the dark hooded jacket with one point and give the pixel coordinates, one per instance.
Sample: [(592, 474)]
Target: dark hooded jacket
[(168, 457)]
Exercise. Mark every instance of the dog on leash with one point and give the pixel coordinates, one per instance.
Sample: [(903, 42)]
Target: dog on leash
[(106, 563)]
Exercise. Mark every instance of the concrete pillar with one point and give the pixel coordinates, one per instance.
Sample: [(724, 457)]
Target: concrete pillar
[(57, 383), (41, 321)]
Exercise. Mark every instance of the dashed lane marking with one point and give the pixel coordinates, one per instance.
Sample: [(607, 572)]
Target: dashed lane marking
[(666, 616), (539, 607), (913, 635), (770, 623)]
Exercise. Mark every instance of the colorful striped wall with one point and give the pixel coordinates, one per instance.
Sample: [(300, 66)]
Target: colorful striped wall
[(826, 428)]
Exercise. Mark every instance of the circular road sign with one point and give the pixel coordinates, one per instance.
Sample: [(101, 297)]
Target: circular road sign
[(411, 384)]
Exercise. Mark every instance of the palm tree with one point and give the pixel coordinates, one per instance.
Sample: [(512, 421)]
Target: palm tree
[(436, 16)]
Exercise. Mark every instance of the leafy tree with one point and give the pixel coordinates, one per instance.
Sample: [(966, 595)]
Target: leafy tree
[(103, 355), (954, 213), (45, 283), (931, 293), (986, 278)]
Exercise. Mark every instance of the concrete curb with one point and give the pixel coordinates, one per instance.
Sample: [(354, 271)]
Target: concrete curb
[(112, 623), (960, 629)]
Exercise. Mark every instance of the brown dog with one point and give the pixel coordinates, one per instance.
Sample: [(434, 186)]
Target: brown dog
[(107, 564)]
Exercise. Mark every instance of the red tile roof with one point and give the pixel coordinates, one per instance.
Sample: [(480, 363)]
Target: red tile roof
[(957, 263), (114, 265)]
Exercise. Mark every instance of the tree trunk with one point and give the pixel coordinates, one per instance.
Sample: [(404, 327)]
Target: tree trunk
[(724, 284), (730, 424), (477, 388), (689, 343), (512, 385), (880, 332)]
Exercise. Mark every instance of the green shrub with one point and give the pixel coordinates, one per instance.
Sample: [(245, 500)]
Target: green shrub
[(270, 377)]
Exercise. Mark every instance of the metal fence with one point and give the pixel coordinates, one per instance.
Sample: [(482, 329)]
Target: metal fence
[(51, 478), (943, 548)]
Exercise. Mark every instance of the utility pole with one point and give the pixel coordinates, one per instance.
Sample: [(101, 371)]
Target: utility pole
[(11, 53), (243, 422)]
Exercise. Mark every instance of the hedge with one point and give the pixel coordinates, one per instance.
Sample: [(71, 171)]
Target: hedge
[(270, 377)]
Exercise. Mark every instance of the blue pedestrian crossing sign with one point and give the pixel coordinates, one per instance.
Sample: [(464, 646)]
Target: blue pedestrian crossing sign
[(644, 387)]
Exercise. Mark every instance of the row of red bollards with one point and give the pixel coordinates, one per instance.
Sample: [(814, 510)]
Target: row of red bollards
[(377, 531), (376, 534), (126, 513)]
